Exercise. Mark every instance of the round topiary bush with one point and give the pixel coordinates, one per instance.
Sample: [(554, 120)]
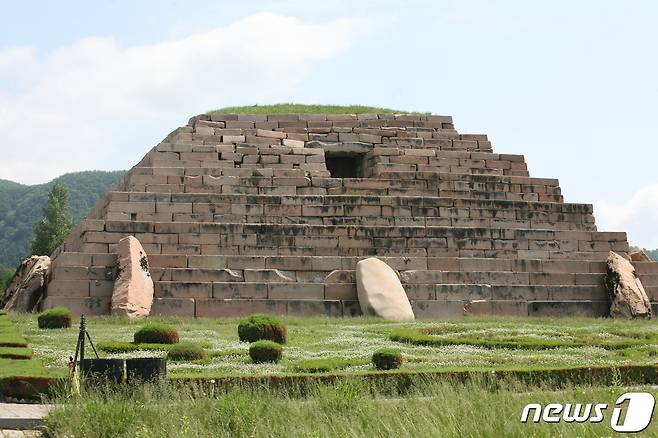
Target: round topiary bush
[(57, 317), (186, 351), (265, 351), (387, 359), (156, 333), (261, 326)]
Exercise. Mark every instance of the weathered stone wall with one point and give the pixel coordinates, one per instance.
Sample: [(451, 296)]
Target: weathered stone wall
[(239, 214)]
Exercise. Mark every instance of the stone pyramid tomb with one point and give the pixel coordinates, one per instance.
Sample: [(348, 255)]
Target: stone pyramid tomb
[(254, 213)]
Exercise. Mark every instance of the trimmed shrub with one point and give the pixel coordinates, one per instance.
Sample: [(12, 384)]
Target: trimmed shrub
[(261, 326), (387, 359), (156, 333), (186, 351), (57, 317), (265, 351)]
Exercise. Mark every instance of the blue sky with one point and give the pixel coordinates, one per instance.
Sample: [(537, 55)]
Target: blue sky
[(572, 85)]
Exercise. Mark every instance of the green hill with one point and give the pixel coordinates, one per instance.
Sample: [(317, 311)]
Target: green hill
[(21, 207)]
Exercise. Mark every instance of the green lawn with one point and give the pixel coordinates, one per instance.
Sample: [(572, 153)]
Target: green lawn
[(9, 334), (296, 108), (346, 345), (15, 358), (15, 353), (23, 368), (21, 375)]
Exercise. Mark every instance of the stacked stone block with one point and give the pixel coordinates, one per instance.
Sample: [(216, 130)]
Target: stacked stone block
[(241, 214)]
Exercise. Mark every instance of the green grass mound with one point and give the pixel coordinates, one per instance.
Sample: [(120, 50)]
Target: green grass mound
[(186, 351), (387, 359), (297, 108), (260, 326), (156, 333), (265, 351), (15, 353), (57, 317), (9, 335), (511, 339), (127, 347), (228, 353), (326, 365)]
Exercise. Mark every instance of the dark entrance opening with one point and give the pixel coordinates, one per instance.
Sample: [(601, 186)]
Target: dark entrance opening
[(344, 166)]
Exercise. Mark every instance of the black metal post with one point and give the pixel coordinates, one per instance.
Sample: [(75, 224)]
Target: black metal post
[(92, 344), (81, 338), (80, 346)]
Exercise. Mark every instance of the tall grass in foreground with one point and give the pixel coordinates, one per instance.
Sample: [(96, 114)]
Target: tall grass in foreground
[(346, 408)]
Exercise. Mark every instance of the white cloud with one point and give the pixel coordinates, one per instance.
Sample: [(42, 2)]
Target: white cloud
[(95, 104), (638, 216)]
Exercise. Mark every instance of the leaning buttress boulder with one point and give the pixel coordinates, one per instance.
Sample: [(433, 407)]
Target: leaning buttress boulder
[(638, 255), (380, 291), (629, 300), (28, 285), (132, 295)]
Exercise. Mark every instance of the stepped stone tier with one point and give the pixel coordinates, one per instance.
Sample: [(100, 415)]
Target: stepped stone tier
[(255, 213)]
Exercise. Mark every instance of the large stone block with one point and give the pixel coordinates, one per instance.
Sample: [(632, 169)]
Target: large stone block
[(351, 308), (79, 305), (311, 308), (296, 291), (68, 288), (178, 307), (176, 289), (568, 308), (435, 309), (240, 290), (218, 308)]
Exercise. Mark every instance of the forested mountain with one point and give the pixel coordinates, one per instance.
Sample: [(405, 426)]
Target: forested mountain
[(21, 206)]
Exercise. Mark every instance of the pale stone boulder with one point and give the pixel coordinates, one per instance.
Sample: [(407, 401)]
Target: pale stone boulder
[(28, 286), (380, 291), (638, 255), (629, 300), (132, 295)]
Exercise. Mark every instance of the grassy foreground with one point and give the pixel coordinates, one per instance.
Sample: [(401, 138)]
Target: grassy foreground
[(297, 108), (325, 386), (324, 345), (345, 408)]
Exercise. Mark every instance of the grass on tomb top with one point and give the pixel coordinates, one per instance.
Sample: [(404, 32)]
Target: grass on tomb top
[(298, 108)]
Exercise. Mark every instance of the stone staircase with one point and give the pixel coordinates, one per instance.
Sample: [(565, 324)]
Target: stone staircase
[(241, 214)]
